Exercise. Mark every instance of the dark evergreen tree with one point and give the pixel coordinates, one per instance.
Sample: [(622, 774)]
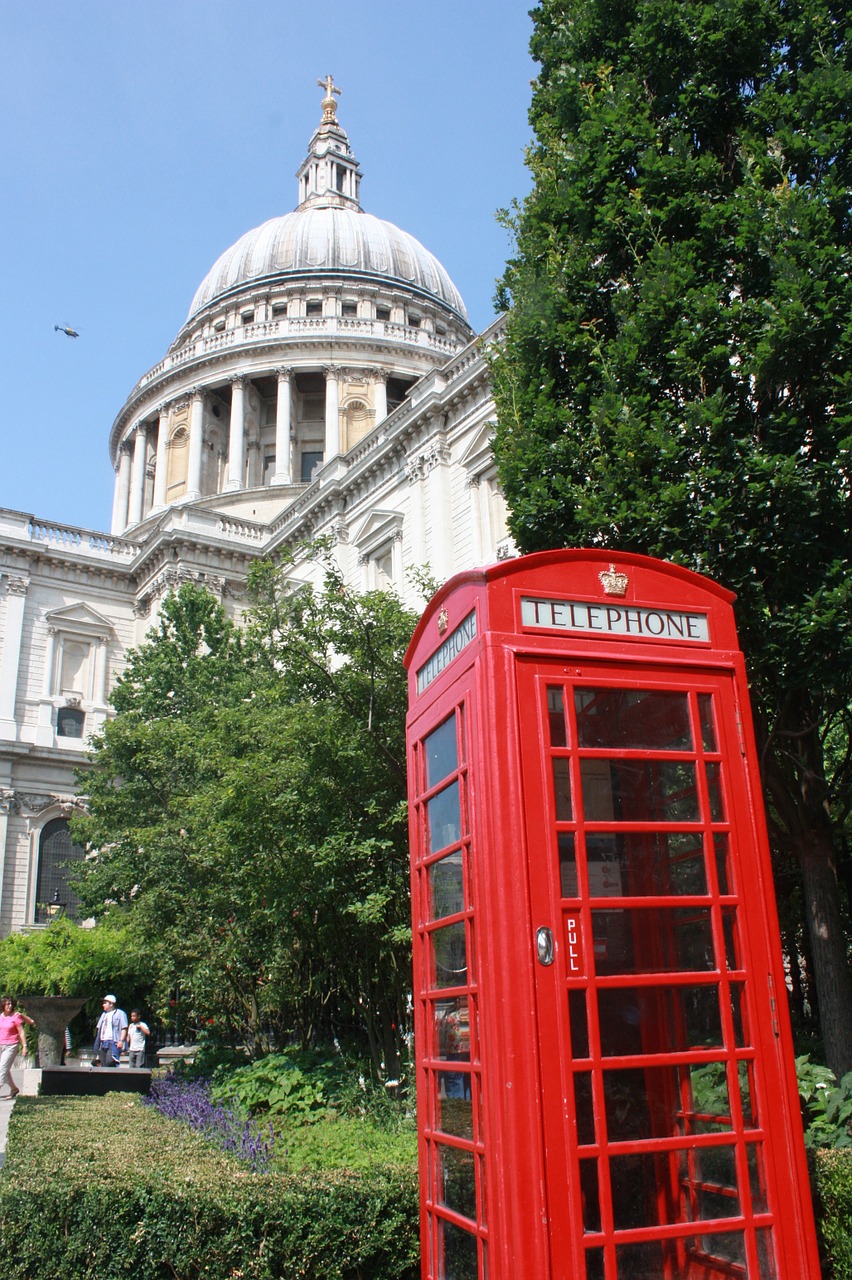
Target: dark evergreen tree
[(676, 377)]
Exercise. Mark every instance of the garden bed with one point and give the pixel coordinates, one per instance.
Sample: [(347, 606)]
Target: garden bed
[(92, 1178)]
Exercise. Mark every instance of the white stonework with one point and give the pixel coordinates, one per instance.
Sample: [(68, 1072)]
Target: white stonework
[(325, 383)]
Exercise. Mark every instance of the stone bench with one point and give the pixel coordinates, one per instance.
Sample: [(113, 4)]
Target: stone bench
[(93, 1080)]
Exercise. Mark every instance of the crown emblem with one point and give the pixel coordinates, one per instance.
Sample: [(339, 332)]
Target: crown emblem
[(443, 621), (614, 583)]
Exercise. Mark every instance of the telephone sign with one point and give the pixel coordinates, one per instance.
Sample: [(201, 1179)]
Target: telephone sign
[(606, 1086)]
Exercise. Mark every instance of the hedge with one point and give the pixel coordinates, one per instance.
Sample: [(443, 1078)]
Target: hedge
[(108, 1186), (834, 1184)]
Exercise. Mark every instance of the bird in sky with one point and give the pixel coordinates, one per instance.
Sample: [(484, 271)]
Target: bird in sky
[(66, 329)]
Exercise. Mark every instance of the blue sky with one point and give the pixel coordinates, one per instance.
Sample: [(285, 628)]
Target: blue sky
[(140, 138)]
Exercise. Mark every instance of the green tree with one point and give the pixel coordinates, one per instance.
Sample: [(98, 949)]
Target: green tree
[(676, 377), (247, 805)]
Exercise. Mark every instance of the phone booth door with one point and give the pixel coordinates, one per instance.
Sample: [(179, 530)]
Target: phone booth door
[(651, 950)]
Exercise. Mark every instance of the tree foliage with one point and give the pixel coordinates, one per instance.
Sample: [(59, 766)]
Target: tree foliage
[(676, 378), (247, 806), (67, 959)]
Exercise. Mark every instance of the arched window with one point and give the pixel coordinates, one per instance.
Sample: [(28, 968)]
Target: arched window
[(56, 855)]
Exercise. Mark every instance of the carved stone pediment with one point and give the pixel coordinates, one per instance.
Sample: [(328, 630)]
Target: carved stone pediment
[(79, 619)]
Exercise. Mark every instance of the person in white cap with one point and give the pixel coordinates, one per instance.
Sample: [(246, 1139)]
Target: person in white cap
[(111, 1033)]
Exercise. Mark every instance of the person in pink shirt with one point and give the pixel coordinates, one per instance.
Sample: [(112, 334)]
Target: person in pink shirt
[(12, 1038)]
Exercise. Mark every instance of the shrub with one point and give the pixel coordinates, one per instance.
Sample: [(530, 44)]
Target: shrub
[(89, 1178), (827, 1105), (834, 1183), (189, 1102), (274, 1085)]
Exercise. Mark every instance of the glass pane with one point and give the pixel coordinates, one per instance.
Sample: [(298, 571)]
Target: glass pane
[(480, 1164), (712, 1166), (728, 1246), (639, 791), (446, 888), (766, 1255), (732, 947), (457, 1180), (707, 1104), (562, 788), (591, 1197), (666, 1102), (705, 715), (651, 863), (720, 848), (646, 1191), (714, 789), (444, 815), (594, 1264), (458, 1252), (556, 716), (738, 1011), (567, 865), (441, 749), (633, 719), (452, 1029), (715, 1202), (584, 1108), (658, 1019), (579, 1024), (450, 952), (652, 940), (745, 1080), (756, 1178), (454, 1106), (646, 1261)]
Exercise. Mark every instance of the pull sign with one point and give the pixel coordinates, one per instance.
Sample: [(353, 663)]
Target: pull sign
[(544, 946), (575, 959)]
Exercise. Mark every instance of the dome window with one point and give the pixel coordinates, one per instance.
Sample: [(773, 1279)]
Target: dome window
[(349, 309), (313, 307), (414, 322), (279, 309), (383, 313), (219, 326), (247, 317)]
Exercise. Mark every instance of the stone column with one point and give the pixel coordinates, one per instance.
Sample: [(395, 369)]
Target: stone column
[(474, 486), (283, 439), (237, 436), (414, 472), (160, 473), (332, 414), (440, 514), (398, 566), (102, 672), (380, 397), (122, 489), (196, 446), (137, 478), (49, 659), (7, 805), (16, 595)]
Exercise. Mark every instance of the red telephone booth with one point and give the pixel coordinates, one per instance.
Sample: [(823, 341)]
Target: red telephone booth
[(606, 1086)]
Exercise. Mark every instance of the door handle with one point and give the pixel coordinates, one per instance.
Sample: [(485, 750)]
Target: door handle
[(544, 946)]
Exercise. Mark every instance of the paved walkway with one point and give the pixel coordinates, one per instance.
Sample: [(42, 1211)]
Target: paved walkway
[(6, 1105)]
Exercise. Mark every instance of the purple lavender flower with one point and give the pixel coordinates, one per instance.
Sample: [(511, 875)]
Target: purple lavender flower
[(189, 1101)]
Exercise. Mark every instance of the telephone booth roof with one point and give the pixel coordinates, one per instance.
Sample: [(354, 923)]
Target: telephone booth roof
[(550, 598)]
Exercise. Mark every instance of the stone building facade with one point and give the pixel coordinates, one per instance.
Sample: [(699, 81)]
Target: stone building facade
[(326, 383)]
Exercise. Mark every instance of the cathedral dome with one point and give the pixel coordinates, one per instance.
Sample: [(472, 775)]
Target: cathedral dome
[(327, 239)]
